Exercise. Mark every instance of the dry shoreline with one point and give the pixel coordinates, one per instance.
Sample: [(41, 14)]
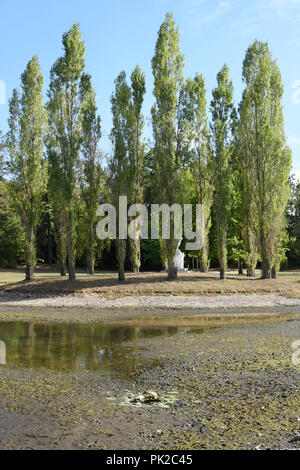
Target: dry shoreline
[(68, 310), (155, 301)]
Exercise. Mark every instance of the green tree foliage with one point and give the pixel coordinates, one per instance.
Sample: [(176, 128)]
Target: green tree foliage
[(65, 105), (26, 163), (136, 156), (237, 167), (196, 148), (2, 150), (119, 163), (11, 234), (127, 163), (265, 157), (167, 67), (56, 204), (92, 176), (293, 223), (221, 127)]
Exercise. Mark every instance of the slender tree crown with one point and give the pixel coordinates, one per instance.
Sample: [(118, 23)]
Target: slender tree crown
[(222, 110), (265, 158), (25, 140)]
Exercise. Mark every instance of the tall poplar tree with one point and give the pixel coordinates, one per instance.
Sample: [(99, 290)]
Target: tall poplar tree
[(222, 113), (136, 156), (27, 121), (167, 67), (91, 175), (196, 134), (56, 204), (119, 163), (65, 115), (265, 156)]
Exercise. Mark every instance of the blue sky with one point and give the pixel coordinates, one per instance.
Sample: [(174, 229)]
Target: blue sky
[(120, 34)]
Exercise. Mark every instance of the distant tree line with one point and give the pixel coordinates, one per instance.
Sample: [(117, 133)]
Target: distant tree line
[(233, 160)]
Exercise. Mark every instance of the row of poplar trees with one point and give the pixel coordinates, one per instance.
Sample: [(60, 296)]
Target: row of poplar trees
[(238, 162)]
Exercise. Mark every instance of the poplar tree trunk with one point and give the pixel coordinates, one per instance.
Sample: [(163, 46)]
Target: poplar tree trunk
[(222, 254), (222, 273), (29, 273), (265, 259), (251, 273), (49, 242), (121, 255), (204, 260), (70, 247), (251, 247), (135, 255), (61, 243), (171, 250), (91, 251), (241, 269), (274, 273), (63, 268), (30, 253)]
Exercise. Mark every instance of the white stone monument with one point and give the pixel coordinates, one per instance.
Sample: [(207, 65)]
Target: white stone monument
[(179, 259)]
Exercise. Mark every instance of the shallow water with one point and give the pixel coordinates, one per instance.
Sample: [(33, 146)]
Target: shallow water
[(67, 347)]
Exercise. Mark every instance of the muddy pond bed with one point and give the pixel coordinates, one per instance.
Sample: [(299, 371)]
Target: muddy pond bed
[(70, 386)]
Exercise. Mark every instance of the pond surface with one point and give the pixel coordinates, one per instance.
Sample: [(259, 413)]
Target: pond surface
[(65, 347)]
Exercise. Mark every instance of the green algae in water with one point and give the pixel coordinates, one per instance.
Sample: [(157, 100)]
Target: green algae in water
[(74, 347)]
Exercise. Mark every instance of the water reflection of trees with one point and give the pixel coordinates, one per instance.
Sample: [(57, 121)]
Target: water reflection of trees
[(73, 347)]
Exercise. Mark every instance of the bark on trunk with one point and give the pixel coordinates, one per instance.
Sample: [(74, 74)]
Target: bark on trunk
[(223, 258), (241, 269), (91, 251), (70, 248), (29, 273), (49, 243), (204, 261), (266, 273), (135, 255), (30, 254), (90, 261), (265, 261), (274, 273), (251, 261), (222, 274), (63, 269), (172, 271), (251, 273), (61, 244), (121, 255)]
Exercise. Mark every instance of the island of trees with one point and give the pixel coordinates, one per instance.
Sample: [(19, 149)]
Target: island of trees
[(232, 159)]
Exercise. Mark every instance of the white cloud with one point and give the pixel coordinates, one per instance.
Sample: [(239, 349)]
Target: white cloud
[(220, 10), (282, 8), (253, 15)]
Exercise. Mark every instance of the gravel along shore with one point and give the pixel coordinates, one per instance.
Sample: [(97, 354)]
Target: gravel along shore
[(205, 302)]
